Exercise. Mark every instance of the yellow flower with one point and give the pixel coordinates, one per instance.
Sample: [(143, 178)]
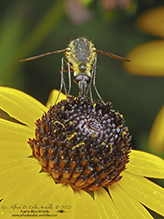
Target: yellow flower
[(147, 59), (156, 138), (27, 191)]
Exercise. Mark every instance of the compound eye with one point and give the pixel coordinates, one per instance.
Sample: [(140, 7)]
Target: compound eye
[(82, 77)]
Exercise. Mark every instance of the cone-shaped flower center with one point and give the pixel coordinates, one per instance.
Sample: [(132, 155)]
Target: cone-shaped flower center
[(82, 145)]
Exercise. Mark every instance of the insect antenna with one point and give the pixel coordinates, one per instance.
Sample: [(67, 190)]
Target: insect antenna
[(42, 55), (113, 56)]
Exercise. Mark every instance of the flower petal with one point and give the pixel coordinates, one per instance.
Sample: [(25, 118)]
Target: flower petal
[(15, 132), (13, 148), (127, 205), (62, 199), (20, 106), (144, 191), (53, 96), (147, 59), (152, 21), (84, 206), (14, 139), (14, 176), (105, 205), (11, 161), (41, 191), (156, 139), (145, 164), (36, 194)]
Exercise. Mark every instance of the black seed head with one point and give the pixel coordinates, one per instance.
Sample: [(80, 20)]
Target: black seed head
[(82, 145)]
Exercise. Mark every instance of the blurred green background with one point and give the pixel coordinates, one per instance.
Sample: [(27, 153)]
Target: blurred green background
[(29, 28)]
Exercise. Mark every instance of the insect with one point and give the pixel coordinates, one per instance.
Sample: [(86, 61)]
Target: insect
[(81, 58)]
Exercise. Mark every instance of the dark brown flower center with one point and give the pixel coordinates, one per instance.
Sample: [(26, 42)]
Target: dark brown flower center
[(82, 145)]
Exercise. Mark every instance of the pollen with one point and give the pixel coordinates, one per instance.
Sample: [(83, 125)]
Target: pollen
[(82, 144)]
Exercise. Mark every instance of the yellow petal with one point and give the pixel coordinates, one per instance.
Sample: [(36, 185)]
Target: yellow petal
[(53, 96), (41, 191), (152, 21), (40, 195), (145, 164), (20, 106), (22, 190), (156, 139), (11, 159), (105, 205), (127, 205), (62, 200), (14, 139), (25, 196), (15, 132), (147, 59), (84, 206), (144, 191), (14, 176)]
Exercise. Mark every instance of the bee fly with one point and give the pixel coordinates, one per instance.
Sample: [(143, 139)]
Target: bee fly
[(81, 58)]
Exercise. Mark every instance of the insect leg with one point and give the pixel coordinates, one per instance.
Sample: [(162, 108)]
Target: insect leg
[(94, 79), (90, 91), (69, 78), (62, 76), (62, 82)]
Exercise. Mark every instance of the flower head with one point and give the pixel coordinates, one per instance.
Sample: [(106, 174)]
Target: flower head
[(82, 144), (24, 189)]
